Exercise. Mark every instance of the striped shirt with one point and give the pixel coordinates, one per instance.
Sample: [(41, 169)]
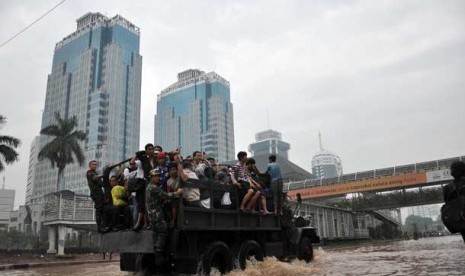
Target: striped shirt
[(240, 173)]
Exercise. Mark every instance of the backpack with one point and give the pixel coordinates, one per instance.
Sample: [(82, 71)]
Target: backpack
[(452, 212)]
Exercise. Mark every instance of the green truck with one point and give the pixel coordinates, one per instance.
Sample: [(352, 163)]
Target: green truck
[(215, 238)]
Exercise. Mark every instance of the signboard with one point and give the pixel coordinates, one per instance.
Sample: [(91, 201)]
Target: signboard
[(360, 186), (439, 175)]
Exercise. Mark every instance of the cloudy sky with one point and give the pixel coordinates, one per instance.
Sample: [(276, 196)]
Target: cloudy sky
[(383, 81)]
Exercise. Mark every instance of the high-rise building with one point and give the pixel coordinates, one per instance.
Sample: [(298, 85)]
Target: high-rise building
[(326, 164), (7, 199), (31, 171), (196, 113), (96, 76), (269, 142)]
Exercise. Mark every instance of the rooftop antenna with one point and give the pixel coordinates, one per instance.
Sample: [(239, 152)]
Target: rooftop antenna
[(319, 137)]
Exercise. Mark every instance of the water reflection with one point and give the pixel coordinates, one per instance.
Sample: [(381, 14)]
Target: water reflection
[(430, 256)]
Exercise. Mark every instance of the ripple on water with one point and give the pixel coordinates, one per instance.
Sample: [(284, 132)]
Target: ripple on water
[(272, 267)]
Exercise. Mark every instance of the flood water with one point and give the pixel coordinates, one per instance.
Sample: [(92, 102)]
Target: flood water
[(429, 256)]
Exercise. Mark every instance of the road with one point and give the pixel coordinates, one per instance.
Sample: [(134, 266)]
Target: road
[(429, 256)]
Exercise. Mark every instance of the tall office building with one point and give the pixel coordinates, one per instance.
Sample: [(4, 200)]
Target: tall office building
[(196, 113), (269, 142), (326, 164), (96, 76), (31, 171)]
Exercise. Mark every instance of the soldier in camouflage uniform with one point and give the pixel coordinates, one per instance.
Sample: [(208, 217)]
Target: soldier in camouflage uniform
[(155, 199)]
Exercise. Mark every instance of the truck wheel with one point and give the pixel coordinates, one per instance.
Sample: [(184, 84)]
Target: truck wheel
[(305, 250), (217, 255), (249, 249), (145, 264), (127, 261)]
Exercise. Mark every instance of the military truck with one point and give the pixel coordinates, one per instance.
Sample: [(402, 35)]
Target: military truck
[(215, 238)]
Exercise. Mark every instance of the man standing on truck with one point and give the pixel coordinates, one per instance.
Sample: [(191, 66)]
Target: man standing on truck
[(274, 171), (156, 198)]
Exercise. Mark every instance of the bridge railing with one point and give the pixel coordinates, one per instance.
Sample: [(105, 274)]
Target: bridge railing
[(66, 206), (384, 172), (397, 199)]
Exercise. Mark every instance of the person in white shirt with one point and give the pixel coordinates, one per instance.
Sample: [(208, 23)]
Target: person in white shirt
[(140, 193), (191, 195)]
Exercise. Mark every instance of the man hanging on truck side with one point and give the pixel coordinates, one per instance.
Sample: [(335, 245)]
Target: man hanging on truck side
[(96, 193), (155, 199), (175, 184)]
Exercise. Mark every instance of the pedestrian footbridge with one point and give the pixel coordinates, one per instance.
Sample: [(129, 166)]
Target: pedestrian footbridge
[(395, 180)]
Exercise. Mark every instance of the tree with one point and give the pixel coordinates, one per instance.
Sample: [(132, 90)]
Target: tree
[(65, 144), (415, 223), (8, 144)]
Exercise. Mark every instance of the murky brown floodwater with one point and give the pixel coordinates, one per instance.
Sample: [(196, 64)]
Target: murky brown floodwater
[(431, 256)]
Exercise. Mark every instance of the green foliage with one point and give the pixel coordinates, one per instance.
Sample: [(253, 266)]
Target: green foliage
[(415, 223), (64, 148), (8, 144), (15, 240)]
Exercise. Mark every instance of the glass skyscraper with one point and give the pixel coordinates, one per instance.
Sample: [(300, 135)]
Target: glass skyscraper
[(96, 76), (196, 113)]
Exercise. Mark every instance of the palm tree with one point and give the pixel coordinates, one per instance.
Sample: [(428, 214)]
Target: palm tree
[(8, 145), (64, 145)]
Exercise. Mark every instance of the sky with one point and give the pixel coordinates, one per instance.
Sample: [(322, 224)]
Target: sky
[(383, 81)]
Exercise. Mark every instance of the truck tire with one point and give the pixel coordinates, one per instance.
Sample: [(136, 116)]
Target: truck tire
[(217, 255), (305, 250), (249, 248), (127, 261), (145, 264)]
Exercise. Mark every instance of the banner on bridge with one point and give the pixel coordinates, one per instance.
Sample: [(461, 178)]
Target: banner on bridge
[(438, 175), (365, 185)]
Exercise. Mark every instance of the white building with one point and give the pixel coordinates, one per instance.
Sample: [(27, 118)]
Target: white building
[(269, 142), (7, 199), (326, 164), (27, 219), (31, 171)]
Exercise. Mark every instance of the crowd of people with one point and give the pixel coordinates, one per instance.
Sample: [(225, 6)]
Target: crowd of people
[(147, 193)]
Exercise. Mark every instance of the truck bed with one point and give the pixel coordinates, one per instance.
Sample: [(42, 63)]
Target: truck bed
[(191, 219)]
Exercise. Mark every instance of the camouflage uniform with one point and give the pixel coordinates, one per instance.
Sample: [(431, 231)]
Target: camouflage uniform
[(155, 199)]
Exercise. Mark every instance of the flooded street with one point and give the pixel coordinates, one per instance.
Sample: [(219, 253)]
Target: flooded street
[(429, 256)]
